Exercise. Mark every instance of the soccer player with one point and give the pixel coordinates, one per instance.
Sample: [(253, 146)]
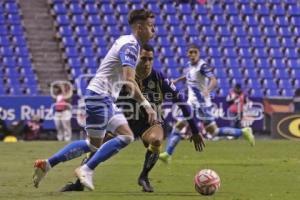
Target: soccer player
[(117, 69), (157, 89), (198, 72)]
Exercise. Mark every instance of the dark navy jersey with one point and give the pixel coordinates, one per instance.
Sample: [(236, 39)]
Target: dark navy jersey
[(156, 89)]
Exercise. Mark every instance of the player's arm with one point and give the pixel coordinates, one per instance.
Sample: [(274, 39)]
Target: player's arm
[(132, 86), (182, 78), (129, 58), (207, 71), (169, 88)]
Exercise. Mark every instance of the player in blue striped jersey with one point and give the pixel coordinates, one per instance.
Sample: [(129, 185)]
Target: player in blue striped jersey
[(200, 82), (116, 69)]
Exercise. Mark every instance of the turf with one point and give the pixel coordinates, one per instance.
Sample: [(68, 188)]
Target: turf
[(271, 170)]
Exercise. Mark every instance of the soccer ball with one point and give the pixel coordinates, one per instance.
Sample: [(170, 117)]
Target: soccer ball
[(207, 182)]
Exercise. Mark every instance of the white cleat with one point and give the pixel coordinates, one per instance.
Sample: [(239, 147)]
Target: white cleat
[(41, 167), (85, 177)]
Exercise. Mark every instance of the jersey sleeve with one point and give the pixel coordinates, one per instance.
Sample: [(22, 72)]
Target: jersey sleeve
[(207, 71), (129, 55)]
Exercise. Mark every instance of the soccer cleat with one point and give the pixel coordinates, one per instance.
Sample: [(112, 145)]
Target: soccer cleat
[(85, 177), (41, 167), (165, 157), (248, 135), (69, 187), (145, 183)]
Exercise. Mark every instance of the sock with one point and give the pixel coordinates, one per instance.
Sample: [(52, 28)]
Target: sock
[(69, 152), (107, 150), (150, 160), (227, 131), (173, 141)]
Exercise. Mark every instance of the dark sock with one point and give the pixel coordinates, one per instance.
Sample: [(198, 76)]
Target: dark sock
[(150, 160)]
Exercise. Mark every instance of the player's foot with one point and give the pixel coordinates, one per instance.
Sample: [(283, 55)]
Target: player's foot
[(145, 183), (69, 187), (85, 176), (41, 167), (165, 157), (248, 135)]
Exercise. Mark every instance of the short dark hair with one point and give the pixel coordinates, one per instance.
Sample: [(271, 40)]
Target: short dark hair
[(139, 15), (193, 46), (148, 47)]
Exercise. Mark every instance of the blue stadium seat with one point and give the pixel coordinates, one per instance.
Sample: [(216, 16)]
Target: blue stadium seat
[(223, 31), (60, 9), (278, 63), (78, 20), (123, 9), (291, 53), (106, 8), (262, 9), (245, 52), (295, 20), (87, 52), (217, 10), (218, 64), (74, 62), (231, 9), (65, 31), (75, 8), (230, 52), (90, 63), (110, 20), (275, 53), (278, 10), (94, 20), (251, 20), (172, 20), (71, 52), (177, 31), (170, 62), (167, 52), (201, 10), (293, 10), (266, 21), (97, 31), (284, 32), (100, 41), (235, 73), (84, 41), (265, 73), (260, 53), (161, 31), (169, 9), (270, 32), (247, 9), (163, 41), (185, 8), (232, 63), (220, 73), (208, 31), (214, 52), (273, 42), (21, 51), (269, 83), (248, 63), (287, 42), (6, 51), (281, 21), (271, 92), (204, 20), (81, 31), (295, 73), (188, 20), (257, 42), (91, 9), (262, 63), (63, 20), (285, 83), (4, 41), (211, 42), (179, 41), (281, 73), (192, 31), (235, 20), (242, 42), (287, 92), (219, 20), (250, 73)]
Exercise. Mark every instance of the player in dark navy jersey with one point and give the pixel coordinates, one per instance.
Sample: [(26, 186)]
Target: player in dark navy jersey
[(156, 88)]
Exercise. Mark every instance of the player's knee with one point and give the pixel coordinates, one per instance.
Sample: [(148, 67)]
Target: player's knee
[(212, 128), (127, 139), (93, 143)]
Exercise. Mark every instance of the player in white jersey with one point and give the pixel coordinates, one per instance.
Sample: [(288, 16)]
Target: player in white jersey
[(201, 82), (116, 69)]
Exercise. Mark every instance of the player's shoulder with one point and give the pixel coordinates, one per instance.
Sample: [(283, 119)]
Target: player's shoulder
[(127, 40), (157, 74)]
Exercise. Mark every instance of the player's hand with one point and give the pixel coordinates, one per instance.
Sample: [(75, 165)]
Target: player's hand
[(152, 116), (205, 93), (198, 142)]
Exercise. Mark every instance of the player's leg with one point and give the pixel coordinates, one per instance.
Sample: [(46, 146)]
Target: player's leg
[(173, 141), (152, 139), (77, 186), (205, 115), (98, 113), (59, 127), (108, 149), (66, 122)]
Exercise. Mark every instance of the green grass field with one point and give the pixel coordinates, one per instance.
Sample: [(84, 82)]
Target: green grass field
[(271, 170)]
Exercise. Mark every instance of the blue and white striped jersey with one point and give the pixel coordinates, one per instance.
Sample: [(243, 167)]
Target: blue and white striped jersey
[(108, 80), (196, 76)]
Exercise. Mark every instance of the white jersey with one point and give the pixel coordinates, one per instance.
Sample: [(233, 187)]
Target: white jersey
[(108, 80), (196, 76)]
